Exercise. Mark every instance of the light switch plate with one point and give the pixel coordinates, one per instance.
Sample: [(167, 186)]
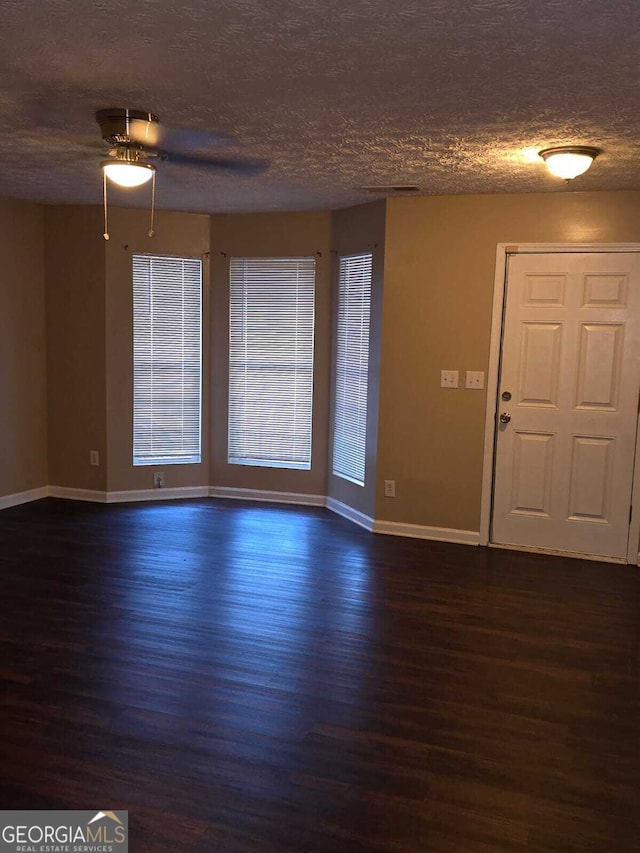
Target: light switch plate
[(448, 378), (475, 379)]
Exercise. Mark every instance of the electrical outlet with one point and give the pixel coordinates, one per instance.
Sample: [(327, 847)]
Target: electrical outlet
[(158, 479), (448, 378), (475, 379), (94, 457), (389, 488)]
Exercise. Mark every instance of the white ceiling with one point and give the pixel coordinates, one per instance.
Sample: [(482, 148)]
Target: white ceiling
[(455, 96)]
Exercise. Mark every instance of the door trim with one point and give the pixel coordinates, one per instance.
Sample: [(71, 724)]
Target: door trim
[(500, 279)]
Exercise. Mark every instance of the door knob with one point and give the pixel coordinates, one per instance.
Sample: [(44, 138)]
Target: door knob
[(505, 417)]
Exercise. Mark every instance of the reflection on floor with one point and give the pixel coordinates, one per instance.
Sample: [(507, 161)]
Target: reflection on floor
[(247, 677)]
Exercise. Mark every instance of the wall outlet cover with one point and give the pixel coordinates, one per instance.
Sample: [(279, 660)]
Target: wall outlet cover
[(449, 378), (475, 379)]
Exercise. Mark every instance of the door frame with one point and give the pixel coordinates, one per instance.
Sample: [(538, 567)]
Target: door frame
[(497, 322)]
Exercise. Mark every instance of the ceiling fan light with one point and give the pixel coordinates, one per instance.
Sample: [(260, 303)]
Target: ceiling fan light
[(127, 174), (570, 161)]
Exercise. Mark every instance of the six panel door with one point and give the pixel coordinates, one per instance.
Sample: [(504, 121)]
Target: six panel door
[(570, 364)]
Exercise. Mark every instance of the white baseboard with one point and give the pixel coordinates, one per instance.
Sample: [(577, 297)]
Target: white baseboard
[(390, 528), (419, 531), (18, 498), (350, 514), (269, 497), (157, 494), (70, 494)]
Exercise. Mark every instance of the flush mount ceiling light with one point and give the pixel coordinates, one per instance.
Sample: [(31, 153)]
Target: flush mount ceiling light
[(569, 161)]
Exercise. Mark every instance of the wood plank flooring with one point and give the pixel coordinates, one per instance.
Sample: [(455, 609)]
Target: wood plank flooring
[(271, 678)]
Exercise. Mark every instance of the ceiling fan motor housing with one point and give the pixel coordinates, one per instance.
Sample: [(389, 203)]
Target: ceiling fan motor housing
[(134, 128)]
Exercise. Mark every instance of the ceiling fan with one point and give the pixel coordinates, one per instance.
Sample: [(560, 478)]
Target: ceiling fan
[(137, 138)]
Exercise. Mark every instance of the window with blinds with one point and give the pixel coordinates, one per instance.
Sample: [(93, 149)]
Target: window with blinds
[(352, 368), (167, 359), (271, 319)]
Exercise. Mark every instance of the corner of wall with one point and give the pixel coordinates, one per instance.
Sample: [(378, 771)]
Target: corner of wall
[(23, 360)]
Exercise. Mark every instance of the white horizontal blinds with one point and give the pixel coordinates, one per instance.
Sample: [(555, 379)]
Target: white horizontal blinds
[(167, 359), (271, 317), (352, 368)]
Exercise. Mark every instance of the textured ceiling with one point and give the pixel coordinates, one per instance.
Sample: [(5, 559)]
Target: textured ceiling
[(454, 96)]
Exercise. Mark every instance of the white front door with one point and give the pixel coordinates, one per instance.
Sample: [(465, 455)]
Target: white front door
[(568, 402)]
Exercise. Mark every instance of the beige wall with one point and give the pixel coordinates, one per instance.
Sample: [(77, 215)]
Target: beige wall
[(270, 235), (74, 256), (183, 234), (439, 273), (23, 411), (438, 255), (355, 230)]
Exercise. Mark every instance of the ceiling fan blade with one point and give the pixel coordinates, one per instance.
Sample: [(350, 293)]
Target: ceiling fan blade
[(120, 124), (192, 139), (244, 166)]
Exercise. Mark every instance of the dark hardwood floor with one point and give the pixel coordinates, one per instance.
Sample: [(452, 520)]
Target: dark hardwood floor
[(270, 678)]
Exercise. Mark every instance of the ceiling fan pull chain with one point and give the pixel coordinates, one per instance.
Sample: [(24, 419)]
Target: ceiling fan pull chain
[(104, 201), (153, 203)]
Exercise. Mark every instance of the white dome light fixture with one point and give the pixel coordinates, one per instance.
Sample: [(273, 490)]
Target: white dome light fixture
[(569, 161), (127, 174)]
